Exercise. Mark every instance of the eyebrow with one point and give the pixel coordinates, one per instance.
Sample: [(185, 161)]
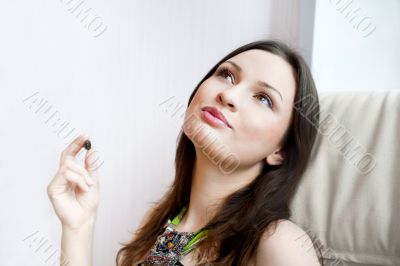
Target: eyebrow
[(261, 83)]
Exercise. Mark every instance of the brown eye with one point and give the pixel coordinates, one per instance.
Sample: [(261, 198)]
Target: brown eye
[(266, 98), (224, 72)]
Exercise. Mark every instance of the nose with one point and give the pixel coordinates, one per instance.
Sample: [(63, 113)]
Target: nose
[(229, 98)]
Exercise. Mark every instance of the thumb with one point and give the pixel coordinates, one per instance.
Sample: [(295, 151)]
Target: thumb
[(92, 162)]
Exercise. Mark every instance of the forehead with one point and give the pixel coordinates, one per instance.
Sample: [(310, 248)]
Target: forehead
[(265, 66)]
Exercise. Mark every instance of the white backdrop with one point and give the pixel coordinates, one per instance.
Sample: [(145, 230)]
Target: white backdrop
[(356, 45), (118, 79)]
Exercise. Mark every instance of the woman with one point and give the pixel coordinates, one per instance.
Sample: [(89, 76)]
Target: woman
[(247, 136)]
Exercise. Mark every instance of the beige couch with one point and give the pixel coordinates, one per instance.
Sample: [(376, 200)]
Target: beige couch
[(349, 197)]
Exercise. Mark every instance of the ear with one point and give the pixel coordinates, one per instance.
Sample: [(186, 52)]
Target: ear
[(275, 158)]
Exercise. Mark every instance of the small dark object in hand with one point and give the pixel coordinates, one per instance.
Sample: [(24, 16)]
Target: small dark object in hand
[(87, 144)]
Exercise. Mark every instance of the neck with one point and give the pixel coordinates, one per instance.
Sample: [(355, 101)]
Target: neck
[(210, 186)]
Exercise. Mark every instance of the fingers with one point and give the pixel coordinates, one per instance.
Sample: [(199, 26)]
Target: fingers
[(77, 179), (70, 172), (74, 147), (90, 162), (78, 169)]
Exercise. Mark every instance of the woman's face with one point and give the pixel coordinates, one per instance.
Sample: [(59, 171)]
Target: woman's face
[(254, 91)]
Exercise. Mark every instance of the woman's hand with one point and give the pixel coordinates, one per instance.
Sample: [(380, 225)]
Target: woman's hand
[(74, 190)]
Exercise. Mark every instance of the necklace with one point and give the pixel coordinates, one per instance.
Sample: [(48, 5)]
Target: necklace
[(171, 244), (195, 237)]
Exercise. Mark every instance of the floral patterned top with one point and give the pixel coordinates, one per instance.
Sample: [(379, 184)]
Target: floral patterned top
[(171, 245)]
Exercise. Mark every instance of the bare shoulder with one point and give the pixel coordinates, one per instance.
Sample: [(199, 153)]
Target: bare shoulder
[(285, 244)]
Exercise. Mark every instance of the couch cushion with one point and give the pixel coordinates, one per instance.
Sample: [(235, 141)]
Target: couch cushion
[(349, 197)]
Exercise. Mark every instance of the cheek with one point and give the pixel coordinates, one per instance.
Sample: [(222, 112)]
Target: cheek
[(193, 111), (202, 95), (204, 90), (261, 128)]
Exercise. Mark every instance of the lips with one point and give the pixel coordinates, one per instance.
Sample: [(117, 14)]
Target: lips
[(216, 113)]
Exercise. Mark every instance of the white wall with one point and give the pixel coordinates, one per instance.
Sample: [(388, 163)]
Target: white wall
[(356, 45)]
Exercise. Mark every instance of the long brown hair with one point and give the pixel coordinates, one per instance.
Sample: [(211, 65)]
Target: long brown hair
[(235, 231)]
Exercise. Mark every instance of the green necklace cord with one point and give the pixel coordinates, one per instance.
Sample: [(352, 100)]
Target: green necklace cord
[(198, 235)]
